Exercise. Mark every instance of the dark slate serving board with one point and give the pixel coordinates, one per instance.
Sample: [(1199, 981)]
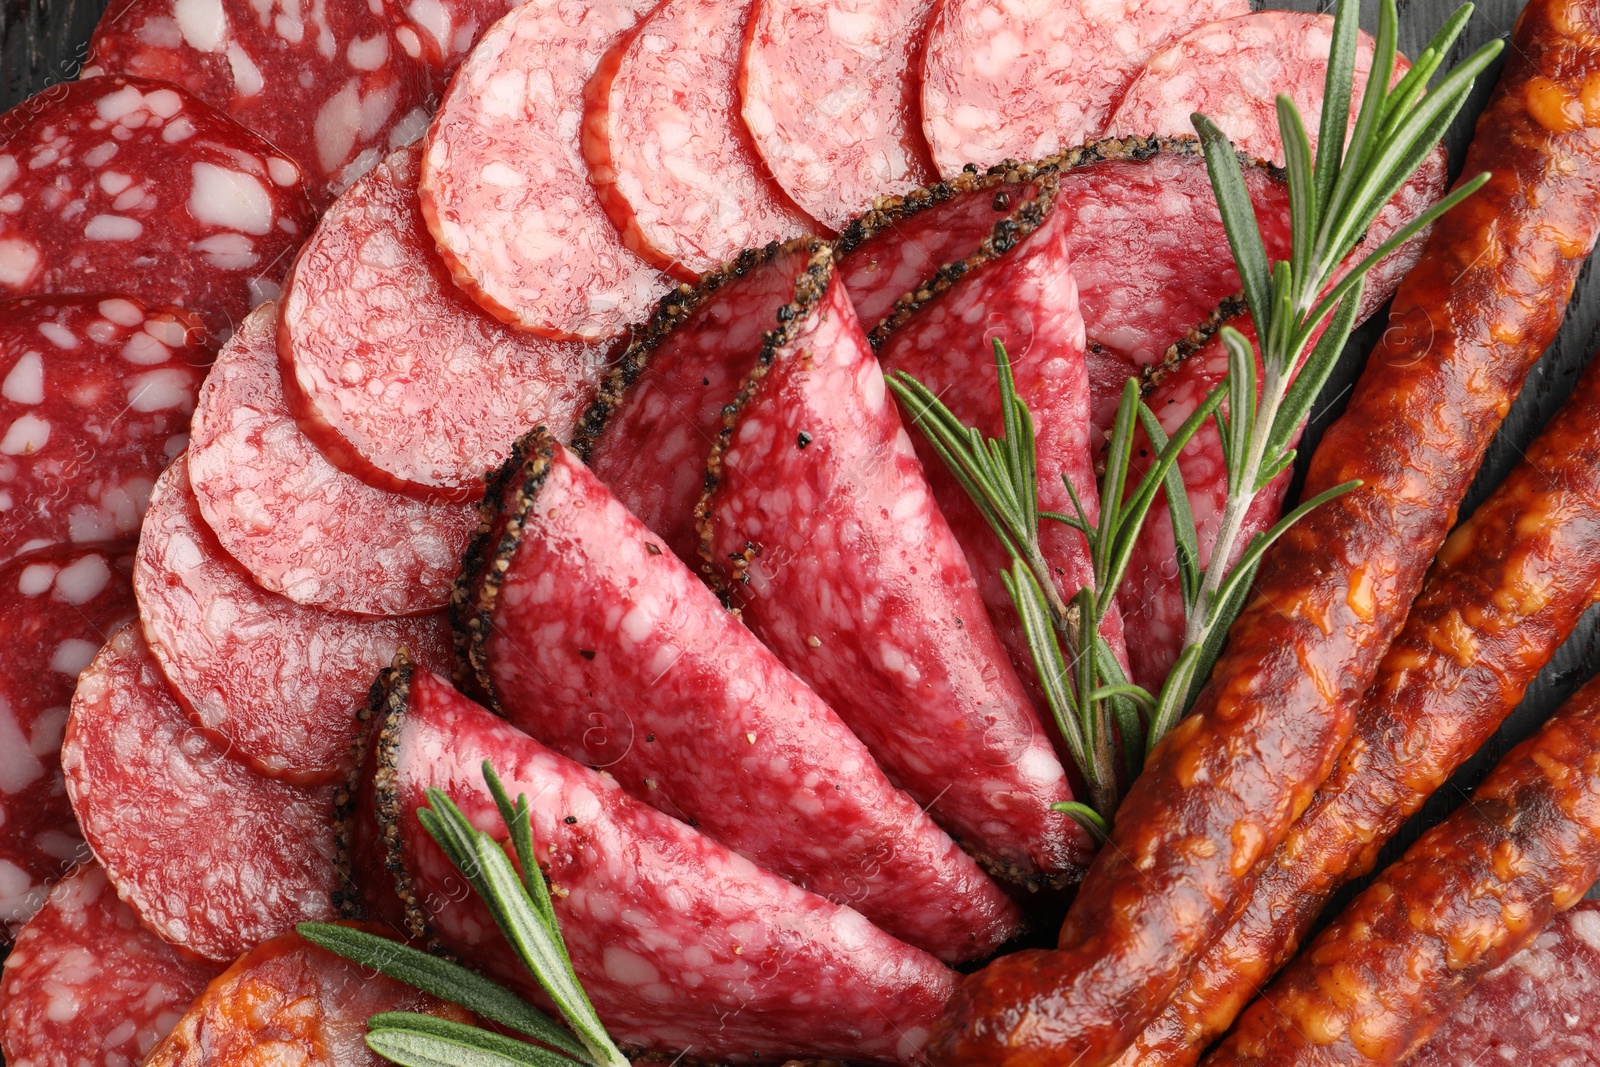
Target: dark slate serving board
[(45, 41)]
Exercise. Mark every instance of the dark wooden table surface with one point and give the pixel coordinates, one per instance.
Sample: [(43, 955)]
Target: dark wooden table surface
[(44, 41)]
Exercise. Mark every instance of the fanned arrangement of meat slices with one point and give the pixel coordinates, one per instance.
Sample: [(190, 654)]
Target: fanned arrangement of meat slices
[(637, 508)]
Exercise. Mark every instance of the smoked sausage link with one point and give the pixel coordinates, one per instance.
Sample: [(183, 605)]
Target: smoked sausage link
[(1223, 789)]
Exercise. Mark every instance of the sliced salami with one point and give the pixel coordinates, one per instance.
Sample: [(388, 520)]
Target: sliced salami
[(659, 410), (288, 1001), (829, 92), (504, 186), (677, 170), (444, 31), (332, 85), (585, 632), (87, 985), (1023, 79), (300, 526), (393, 372), (95, 396), (56, 609), (271, 682), (122, 185), (213, 856), (818, 515), (686, 947)]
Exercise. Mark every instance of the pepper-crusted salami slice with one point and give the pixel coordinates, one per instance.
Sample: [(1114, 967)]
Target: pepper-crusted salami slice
[(1022, 79), (1475, 890), (675, 167), (397, 376), (1468, 322), (592, 637), (1505, 591), (288, 1001), (299, 525), (86, 984), (122, 185), (56, 609), (331, 85), (685, 946), (660, 409), (818, 514), (212, 855), (829, 92), (271, 682), (504, 186), (1541, 1006), (95, 396)]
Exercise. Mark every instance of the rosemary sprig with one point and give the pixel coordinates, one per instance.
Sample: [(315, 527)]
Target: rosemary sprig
[(522, 909)]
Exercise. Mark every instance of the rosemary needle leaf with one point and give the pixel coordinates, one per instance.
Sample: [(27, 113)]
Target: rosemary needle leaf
[(1238, 217), (519, 822), (1119, 455), (1314, 373), (1034, 614), (1336, 102), (1241, 401), (1302, 185), (1344, 201), (1086, 817), (415, 1040), (1184, 535)]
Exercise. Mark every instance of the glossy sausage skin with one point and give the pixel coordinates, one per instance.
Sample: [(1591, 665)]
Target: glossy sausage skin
[(1223, 789), (1468, 896)]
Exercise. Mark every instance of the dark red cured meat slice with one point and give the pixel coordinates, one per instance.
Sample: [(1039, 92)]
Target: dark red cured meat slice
[(686, 946), (212, 855), (95, 396), (590, 636), (1541, 1006), (1022, 79), (86, 984), (56, 610), (288, 1001), (818, 515), (392, 371), (272, 682), (332, 85), (675, 167), (300, 526), (444, 31), (504, 186), (113, 185), (660, 409), (830, 95)]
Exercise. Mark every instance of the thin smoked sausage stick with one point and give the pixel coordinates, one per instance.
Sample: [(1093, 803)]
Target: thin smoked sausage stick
[(1508, 587), (1467, 897), (1222, 790)]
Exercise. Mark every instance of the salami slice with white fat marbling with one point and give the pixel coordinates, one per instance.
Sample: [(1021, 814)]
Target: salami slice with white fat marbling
[(505, 188), (818, 516), (584, 631), (123, 185), (332, 85), (86, 985), (272, 682), (213, 856), (685, 947), (676, 170), (299, 525), (394, 373), (95, 396), (57, 607), (443, 32), (1023, 79)]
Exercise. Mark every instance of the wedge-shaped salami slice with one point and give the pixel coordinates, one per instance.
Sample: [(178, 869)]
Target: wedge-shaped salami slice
[(829, 92), (332, 85), (1022, 79), (213, 856), (818, 515), (682, 945), (396, 375), (667, 151), (95, 396), (122, 185), (56, 609), (591, 636), (505, 188), (86, 984), (288, 1001), (275, 683)]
